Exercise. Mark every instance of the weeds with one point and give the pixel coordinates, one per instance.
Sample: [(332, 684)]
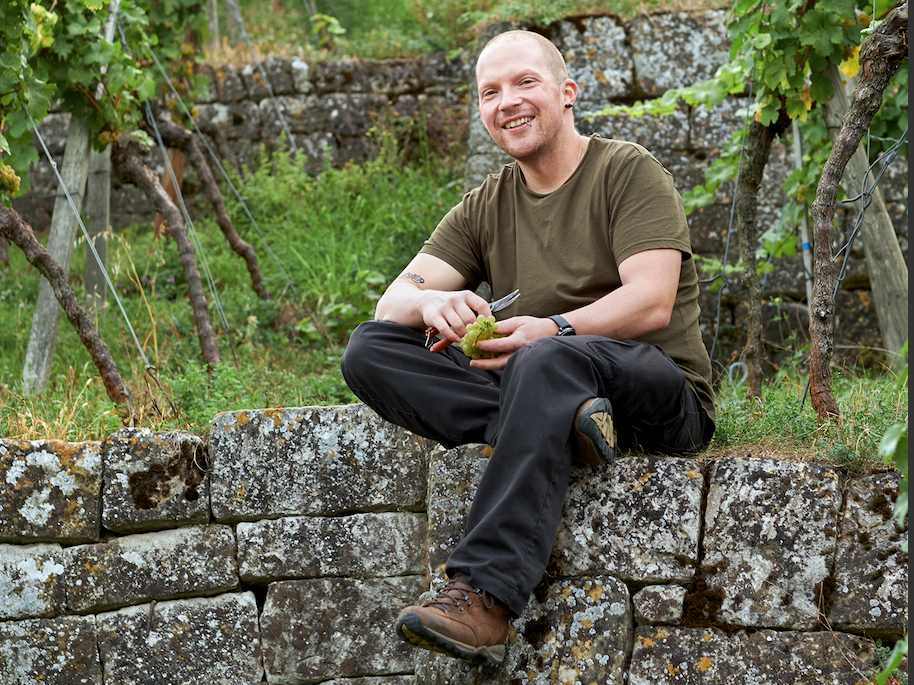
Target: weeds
[(341, 236), (869, 405), (380, 29)]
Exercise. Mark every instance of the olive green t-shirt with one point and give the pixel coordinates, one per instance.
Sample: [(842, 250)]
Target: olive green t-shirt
[(563, 249)]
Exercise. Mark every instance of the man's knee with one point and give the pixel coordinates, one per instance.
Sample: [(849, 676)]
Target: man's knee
[(361, 354)]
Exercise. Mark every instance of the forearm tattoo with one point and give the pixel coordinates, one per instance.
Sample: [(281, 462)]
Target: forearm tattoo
[(415, 278)]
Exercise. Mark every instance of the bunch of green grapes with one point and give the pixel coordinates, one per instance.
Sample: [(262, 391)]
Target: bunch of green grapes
[(482, 329), (9, 181)]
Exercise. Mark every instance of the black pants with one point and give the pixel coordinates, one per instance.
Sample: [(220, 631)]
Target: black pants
[(526, 413)]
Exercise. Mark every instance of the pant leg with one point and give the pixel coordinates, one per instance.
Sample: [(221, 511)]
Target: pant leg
[(438, 396), (515, 514)]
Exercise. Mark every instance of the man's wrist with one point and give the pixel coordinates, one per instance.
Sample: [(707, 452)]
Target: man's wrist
[(565, 328)]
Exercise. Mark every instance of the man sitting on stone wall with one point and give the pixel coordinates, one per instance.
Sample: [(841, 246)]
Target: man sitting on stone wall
[(602, 351)]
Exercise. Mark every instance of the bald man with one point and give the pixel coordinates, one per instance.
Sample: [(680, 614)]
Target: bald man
[(601, 352)]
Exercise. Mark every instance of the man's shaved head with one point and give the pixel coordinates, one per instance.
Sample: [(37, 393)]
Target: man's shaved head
[(553, 58)]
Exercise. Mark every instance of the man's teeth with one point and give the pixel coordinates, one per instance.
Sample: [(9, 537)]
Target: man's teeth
[(518, 122)]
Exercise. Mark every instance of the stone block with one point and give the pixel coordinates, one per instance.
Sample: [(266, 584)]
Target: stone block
[(335, 627), (439, 70), (341, 76), (770, 531), (183, 642), (597, 59), (316, 147), (659, 605), (871, 570), (153, 480), (708, 228), (573, 631), (481, 165), (655, 133), (453, 476), (637, 519), (61, 650), (236, 121), (228, 84), (357, 546), (709, 656), (50, 490), (392, 77), (184, 562), (340, 114), (301, 76), (676, 50), (710, 128), (374, 680), (279, 78), (688, 170), (315, 461), (32, 581)]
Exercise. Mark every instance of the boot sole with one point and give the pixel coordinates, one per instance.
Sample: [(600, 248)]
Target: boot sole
[(595, 435), (411, 629)]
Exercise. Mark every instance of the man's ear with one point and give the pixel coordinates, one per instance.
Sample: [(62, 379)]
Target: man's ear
[(569, 90)]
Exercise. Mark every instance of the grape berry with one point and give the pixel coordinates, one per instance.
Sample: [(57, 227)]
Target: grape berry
[(9, 181), (482, 329)]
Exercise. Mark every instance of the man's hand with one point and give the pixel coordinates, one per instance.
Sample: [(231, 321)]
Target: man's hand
[(518, 331), (451, 311)]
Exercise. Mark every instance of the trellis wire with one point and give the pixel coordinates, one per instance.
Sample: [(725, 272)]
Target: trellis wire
[(720, 274), (192, 231), (866, 197), (244, 34), (219, 165), (85, 232)]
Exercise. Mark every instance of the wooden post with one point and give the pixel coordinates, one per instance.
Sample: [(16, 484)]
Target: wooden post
[(176, 158), (212, 18), (62, 236), (46, 320), (98, 192)]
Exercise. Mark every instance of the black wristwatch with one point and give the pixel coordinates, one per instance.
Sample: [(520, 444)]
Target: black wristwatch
[(564, 327)]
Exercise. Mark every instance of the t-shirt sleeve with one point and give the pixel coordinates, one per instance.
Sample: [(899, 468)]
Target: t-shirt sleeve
[(646, 210), (455, 242)]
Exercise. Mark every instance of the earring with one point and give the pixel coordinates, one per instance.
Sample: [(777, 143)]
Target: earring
[(569, 106)]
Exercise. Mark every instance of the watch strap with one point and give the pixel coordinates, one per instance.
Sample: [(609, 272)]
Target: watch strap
[(565, 328)]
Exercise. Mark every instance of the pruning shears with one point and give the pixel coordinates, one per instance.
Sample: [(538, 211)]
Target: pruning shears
[(436, 346)]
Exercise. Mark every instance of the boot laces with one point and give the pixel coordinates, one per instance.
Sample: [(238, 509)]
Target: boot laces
[(457, 590)]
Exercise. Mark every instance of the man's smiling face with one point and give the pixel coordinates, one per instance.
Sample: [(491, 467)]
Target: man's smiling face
[(520, 100)]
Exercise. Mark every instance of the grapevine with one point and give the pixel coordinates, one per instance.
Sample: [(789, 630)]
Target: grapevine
[(482, 329), (9, 181)]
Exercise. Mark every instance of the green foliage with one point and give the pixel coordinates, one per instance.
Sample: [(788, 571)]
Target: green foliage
[(784, 47), (328, 31), (893, 661), (869, 406), (354, 228), (374, 29), (52, 49), (462, 18), (342, 235)]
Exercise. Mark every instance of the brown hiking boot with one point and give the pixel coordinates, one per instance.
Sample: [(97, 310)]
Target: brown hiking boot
[(459, 621), (594, 433)]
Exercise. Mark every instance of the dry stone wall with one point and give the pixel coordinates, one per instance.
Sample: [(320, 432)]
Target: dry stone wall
[(280, 548), (329, 107)]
